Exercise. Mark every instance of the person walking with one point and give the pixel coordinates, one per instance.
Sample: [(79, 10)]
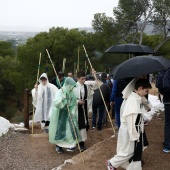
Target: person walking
[(43, 96), (131, 136)]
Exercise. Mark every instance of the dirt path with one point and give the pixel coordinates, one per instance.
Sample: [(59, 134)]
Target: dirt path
[(153, 156), (24, 152)]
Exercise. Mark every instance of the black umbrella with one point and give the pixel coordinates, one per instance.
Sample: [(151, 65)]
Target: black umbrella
[(140, 65), (130, 49)]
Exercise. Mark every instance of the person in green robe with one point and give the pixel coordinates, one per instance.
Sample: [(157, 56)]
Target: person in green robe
[(61, 130)]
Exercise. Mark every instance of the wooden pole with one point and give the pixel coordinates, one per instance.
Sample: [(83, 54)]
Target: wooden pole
[(38, 68), (26, 108), (38, 72), (64, 63), (85, 65), (67, 109), (78, 64), (100, 92), (75, 69), (33, 111)]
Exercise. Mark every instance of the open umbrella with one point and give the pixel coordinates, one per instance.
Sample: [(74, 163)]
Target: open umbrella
[(140, 65), (130, 49)]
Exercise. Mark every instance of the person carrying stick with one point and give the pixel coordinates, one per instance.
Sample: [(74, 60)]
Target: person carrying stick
[(43, 96), (84, 92), (61, 130)]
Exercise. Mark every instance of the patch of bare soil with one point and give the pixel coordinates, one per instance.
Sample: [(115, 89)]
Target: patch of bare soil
[(153, 156), (26, 152), (20, 151)]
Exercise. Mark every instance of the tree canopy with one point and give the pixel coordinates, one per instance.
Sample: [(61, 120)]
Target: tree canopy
[(19, 64)]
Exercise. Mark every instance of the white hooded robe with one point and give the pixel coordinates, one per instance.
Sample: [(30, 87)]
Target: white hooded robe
[(43, 99), (128, 134)]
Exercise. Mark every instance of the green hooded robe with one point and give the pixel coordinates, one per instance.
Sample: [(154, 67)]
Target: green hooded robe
[(61, 130)]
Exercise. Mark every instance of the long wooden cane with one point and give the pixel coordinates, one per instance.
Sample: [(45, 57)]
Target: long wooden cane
[(64, 63), (74, 129), (78, 64), (100, 91), (33, 105)]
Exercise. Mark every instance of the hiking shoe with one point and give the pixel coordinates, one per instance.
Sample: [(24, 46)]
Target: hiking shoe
[(93, 128), (145, 123), (99, 129), (59, 149), (46, 130), (82, 148), (109, 166), (166, 150), (142, 162), (71, 149)]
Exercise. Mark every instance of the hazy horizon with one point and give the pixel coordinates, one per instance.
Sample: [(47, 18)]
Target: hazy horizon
[(23, 28)]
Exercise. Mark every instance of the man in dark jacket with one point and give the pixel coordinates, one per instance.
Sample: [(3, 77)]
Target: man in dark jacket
[(116, 96), (98, 105), (166, 100)]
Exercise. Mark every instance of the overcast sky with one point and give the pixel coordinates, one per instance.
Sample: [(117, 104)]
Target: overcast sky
[(48, 13)]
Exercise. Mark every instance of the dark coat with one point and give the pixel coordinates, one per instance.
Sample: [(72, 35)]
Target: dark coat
[(97, 98)]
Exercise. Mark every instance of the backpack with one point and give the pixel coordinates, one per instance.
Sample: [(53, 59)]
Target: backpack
[(166, 80), (159, 79), (163, 80)]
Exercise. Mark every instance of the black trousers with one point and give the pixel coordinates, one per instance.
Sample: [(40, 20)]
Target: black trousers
[(46, 122)]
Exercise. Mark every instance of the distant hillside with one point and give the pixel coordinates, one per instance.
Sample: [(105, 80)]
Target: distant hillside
[(34, 29), (148, 29), (22, 33), (18, 37), (22, 28)]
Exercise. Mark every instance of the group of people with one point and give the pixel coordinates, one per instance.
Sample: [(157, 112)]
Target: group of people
[(63, 106)]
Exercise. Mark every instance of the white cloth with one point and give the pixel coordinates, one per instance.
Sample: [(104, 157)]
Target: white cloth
[(83, 134), (43, 99), (91, 86), (5, 125), (157, 108), (128, 90), (127, 133)]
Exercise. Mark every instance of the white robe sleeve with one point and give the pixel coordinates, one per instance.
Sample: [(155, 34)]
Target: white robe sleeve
[(54, 89), (93, 84), (133, 134), (146, 103), (34, 97), (90, 93), (90, 102)]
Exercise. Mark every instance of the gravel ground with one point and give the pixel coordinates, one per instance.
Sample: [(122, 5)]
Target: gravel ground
[(20, 151), (26, 152)]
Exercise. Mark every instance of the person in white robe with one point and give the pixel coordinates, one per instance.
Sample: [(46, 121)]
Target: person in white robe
[(43, 97), (84, 92), (131, 136)]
